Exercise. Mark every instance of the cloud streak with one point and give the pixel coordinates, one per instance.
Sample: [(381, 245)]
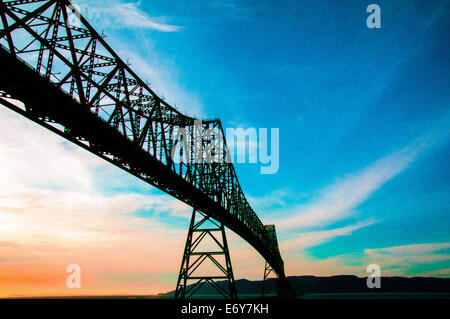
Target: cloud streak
[(314, 238), (130, 15), (410, 249), (338, 201), (407, 259), (117, 14)]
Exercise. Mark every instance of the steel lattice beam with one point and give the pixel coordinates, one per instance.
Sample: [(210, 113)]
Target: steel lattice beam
[(190, 279), (73, 83)]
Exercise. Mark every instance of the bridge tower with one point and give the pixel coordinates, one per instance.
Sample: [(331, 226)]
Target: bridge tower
[(70, 81), (267, 272), (206, 245)]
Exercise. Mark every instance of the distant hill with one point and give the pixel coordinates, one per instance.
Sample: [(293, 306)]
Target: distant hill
[(338, 284)]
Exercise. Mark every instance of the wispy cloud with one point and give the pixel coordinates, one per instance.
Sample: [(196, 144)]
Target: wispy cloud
[(338, 201), (163, 75), (118, 14), (408, 259), (276, 198), (130, 15), (314, 238), (410, 249), (445, 272)]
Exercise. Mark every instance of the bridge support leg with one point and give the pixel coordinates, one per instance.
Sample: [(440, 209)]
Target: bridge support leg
[(206, 252), (267, 271)]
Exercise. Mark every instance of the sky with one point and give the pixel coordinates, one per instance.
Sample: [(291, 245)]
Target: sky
[(364, 122)]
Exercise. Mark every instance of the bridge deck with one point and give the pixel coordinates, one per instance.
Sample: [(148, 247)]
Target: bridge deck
[(136, 129)]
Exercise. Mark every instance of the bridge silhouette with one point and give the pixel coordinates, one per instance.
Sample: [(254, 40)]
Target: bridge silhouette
[(70, 81)]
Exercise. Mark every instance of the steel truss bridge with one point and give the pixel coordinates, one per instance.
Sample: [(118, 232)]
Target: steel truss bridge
[(69, 80)]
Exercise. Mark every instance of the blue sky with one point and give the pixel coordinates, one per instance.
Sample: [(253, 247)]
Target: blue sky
[(364, 119), (344, 96)]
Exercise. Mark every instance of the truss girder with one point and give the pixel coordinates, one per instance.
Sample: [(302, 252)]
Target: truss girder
[(73, 83)]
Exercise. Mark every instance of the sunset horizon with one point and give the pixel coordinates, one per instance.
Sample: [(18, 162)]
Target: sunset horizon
[(340, 132)]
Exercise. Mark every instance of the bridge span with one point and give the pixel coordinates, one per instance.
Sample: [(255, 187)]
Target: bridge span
[(72, 82)]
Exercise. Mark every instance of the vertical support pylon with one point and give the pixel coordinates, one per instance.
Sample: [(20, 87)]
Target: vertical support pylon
[(267, 271), (190, 279)]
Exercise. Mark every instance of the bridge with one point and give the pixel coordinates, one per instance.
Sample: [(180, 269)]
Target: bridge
[(70, 81)]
